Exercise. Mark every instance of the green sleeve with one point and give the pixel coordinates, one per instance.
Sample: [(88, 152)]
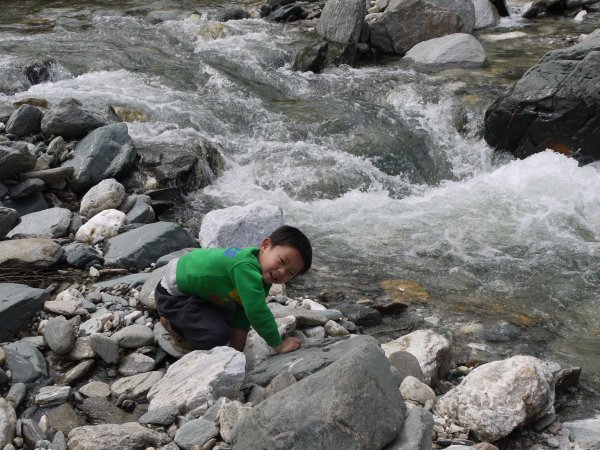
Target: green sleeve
[(249, 284)]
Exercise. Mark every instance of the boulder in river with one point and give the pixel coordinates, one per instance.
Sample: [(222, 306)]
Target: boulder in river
[(459, 50), (556, 105), (49, 223), (71, 120), (340, 25)]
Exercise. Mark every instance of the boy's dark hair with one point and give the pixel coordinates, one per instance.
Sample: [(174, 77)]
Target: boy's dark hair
[(286, 235)]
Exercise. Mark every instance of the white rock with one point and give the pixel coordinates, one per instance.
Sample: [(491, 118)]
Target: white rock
[(498, 397), (135, 386), (314, 333), (108, 194), (256, 349), (239, 226), (313, 306), (458, 50), (229, 415), (104, 224), (335, 329), (286, 324), (8, 422), (486, 14), (413, 389), (432, 350), (199, 379), (580, 16)]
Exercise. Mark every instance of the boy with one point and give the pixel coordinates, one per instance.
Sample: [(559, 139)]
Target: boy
[(210, 297)]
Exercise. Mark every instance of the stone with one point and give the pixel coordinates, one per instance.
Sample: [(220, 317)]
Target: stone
[(128, 436), (334, 329), (256, 349), (52, 395), (585, 432), (106, 152), (26, 188), (105, 347), (134, 336), (59, 334), (75, 373), (199, 378), (230, 414), (9, 218), (486, 14), (63, 418), (29, 253), (143, 246), (108, 194), (165, 342), (65, 306), (101, 410), (15, 158), (415, 390), (311, 58), (132, 280), (303, 316), (25, 362), (147, 292), (340, 25), (31, 433), (18, 305), (59, 442), (82, 350), (95, 389), (417, 431), (81, 255), (432, 350), (195, 433), (498, 397), (49, 176), (16, 394), (279, 383), (25, 121), (49, 223), (136, 386), (407, 364), (70, 120), (141, 213), (105, 224), (160, 416), (295, 417), (8, 422), (135, 363), (239, 226), (457, 50)]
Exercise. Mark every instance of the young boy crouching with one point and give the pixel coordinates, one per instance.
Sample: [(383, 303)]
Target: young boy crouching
[(212, 296)]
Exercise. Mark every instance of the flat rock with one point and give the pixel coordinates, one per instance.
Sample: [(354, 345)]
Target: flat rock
[(106, 347), (63, 418), (71, 120), (95, 389), (102, 410), (52, 395), (25, 121), (9, 218), (135, 363), (30, 253), (459, 50), (196, 432), (25, 362), (128, 436), (134, 336), (135, 386), (18, 305)]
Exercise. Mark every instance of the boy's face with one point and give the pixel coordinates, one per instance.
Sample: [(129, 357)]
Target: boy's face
[(279, 263)]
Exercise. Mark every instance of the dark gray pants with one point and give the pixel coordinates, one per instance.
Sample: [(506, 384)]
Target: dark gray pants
[(198, 323)]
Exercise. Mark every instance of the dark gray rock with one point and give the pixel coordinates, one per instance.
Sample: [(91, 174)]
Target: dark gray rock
[(18, 305), (101, 410), (106, 347), (340, 25), (82, 255), (70, 120), (40, 71), (140, 247), (26, 188), (417, 431), (556, 104), (63, 418), (407, 365), (232, 13), (59, 442), (25, 362), (50, 176), (16, 394), (134, 336), (50, 223), (141, 213), (352, 403), (106, 152), (160, 416), (9, 218), (311, 58), (60, 335), (289, 13), (546, 8), (195, 432), (6, 110), (31, 432), (361, 315), (15, 158), (25, 121), (33, 203)]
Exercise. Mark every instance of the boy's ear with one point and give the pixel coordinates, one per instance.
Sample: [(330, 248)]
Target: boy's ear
[(266, 243)]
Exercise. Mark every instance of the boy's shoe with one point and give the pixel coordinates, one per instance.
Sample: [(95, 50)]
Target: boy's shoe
[(177, 338)]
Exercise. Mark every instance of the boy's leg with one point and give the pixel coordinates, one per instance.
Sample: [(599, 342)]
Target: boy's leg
[(199, 324)]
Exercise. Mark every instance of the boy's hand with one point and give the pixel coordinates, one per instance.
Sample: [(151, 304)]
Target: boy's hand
[(289, 344)]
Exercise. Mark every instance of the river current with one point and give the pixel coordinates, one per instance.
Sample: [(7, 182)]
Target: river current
[(384, 168)]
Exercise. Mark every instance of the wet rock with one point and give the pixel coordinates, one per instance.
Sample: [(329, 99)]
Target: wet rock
[(9, 218), (50, 223), (15, 158), (8, 422), (457, 50), (75, 373), (136, 386), (432, 350), (29, 253), (60, 335), (40, 71), (134, 336), (340, 25), (195, 432), (294, 417), (32, 203), (105, 224), (140, 247), (25, 121), (240, 226), (49, 176), (232, 13), (18, 304), (141, 213), (16, 394), (129, 436), (70, 120), (103, 411), (106, 152), (498, 397), (361, 315), (199, 377)]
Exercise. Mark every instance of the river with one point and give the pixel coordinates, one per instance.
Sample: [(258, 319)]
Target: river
[(384, 168)]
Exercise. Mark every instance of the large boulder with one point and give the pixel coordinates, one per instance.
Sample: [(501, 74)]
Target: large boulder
[(556, 105), (71, 120), (353, 403), (15, 158), (142, 246), (29, 253), (405, 23), (498, 397), (25, 121), (49, 223), (106, 152), (457, 50), (340, 24), (486, 14), (108, 194), (239, 226), (18, 304)]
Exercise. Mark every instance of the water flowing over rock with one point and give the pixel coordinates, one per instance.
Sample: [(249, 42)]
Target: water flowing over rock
[(18, 304), (405, 23), (198, 379), (239, 226), (500, 396), (128, 436), (457, 50), (554, 105), (106, 152), (340, 25), (70, 120), (320, 410)]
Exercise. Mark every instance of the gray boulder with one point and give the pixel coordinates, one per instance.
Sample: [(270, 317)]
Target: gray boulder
[(340, 24), (195, 433), (457, 50), (127, 436), (311, 58), (143, 246), (25, 121), (30, 253), (417, 431), (191, 164), (60, 335), (134, 336), (106, 152), (25, 362), (9, 218), (49, 223), (362, 409), (26, 188), (18, 305), (15, 158), (239, 226), (486, 14), (71, 120), (405, 23), (556, 104)]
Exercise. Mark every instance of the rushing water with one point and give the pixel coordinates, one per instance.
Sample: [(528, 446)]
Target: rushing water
[(384, 168)]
